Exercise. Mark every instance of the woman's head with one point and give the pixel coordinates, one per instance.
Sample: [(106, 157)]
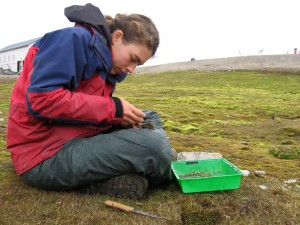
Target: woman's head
[(136, 28), (135, 39)]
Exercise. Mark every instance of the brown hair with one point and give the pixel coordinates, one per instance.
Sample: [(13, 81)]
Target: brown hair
[(136, 28)]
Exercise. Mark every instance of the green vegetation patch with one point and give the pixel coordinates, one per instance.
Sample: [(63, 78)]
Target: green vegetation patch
[(239, 114), (291, 131), (285, 152)]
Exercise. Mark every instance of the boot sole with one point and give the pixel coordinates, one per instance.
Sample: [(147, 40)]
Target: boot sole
[(126, 186)]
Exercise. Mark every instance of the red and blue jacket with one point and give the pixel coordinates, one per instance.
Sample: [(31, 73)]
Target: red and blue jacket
[(64, 92)]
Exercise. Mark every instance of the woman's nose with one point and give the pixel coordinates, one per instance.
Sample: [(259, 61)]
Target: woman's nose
[(131, 67)]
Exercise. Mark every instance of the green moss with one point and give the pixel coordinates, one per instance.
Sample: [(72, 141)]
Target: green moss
[(226, 108), (189, 128), (168, 125), (290, 131), (2, 144), (288, 142), (232, 122), (196, 112), (4, 154), (285, 152)]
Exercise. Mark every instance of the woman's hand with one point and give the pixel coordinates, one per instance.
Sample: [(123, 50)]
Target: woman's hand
[(132, 116)]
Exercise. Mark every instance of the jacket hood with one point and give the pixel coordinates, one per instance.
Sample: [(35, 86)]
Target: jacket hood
[(89, 14)]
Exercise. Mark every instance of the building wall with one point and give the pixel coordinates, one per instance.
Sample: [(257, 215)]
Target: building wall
[(13, 59)]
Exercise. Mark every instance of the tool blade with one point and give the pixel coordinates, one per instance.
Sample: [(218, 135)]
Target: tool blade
[(148, 214)]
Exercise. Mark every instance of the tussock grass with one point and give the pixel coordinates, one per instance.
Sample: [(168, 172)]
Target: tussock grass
[(240, 114)]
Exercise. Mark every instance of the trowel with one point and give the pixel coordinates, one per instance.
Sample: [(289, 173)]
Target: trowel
[(131, 209)]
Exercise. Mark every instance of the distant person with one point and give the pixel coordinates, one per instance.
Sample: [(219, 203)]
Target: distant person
[(295, 50), (65, 129)]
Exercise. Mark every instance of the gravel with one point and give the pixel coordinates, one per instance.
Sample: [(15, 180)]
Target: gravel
[(286, 63)]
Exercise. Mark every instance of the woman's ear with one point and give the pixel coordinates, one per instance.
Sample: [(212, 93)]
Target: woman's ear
[(117, 35)]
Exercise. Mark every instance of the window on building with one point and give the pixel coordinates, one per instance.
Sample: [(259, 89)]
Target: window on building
[(0, 59), (13, 58), (4, 59), (8, 58)]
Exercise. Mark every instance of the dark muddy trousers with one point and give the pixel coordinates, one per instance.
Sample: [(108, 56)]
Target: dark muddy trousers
[(84, 161)]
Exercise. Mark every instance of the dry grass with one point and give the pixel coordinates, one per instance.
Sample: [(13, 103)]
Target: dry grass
[(239, 114)]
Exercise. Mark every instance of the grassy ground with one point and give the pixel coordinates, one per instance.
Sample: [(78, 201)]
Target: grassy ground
[(251, 118)]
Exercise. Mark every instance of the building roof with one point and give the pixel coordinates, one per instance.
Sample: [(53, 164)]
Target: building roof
[(19, 45)]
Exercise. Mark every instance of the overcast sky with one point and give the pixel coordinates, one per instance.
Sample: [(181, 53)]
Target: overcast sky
[(199, 29)]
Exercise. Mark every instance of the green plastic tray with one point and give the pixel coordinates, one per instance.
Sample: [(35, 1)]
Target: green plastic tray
[(206, 175)]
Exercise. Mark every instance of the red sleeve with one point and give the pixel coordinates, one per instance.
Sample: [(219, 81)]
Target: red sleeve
[(62, 104)]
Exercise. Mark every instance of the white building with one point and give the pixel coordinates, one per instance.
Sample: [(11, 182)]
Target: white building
[(12, 57)]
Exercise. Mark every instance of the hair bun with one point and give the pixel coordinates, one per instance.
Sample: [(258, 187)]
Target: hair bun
[(109, 19)]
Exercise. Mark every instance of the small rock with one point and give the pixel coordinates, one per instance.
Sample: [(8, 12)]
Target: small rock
[(244, 142), (259, 172), (245, 173), (263, 187), (291, 181), (1, 119), (285, 187)]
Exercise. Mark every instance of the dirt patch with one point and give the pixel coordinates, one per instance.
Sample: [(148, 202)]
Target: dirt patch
[(274, 63)]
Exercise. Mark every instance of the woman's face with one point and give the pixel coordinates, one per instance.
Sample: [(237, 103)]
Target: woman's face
[(127, 56)]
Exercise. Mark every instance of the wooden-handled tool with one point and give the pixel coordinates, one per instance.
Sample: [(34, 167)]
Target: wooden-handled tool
[(130, 209)]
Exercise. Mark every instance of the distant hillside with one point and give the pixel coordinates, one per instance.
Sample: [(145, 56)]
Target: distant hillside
[(281, 63), (288, 63)]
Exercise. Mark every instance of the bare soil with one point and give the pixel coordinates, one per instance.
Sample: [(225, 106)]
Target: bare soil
[(281, 63)]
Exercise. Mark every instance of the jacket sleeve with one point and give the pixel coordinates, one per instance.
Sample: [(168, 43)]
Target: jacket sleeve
[(62, 61)]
